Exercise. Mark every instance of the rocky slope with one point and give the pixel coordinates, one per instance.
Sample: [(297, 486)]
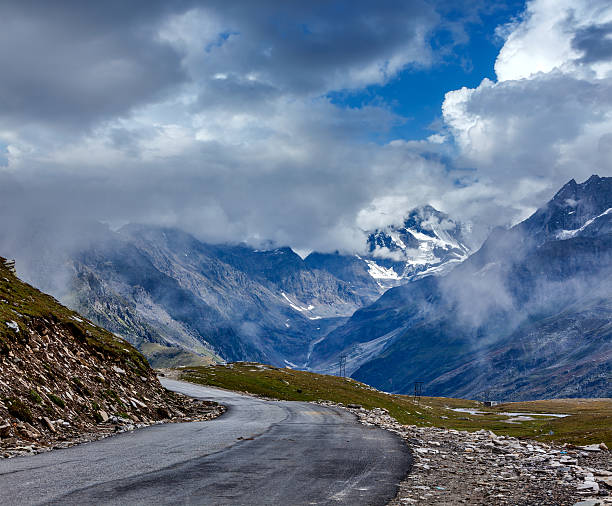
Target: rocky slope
[(528, 315), (65, 380)]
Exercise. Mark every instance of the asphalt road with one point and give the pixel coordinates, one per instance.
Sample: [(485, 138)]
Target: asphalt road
[(258, 452)]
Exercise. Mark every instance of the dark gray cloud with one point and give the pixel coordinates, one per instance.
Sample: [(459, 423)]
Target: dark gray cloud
[(212, 115), (74, 63), (70, 64), (595, 41), (306, 47)]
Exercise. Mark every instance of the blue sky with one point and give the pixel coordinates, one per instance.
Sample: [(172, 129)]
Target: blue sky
[(300, 123), (417, 92)]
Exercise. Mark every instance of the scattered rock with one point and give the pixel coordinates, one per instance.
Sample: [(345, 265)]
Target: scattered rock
[(482, 468), (49, 424), (594, 447), (5, 430)]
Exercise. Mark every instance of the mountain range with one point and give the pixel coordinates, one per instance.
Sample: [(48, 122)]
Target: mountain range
[(527, 315), (183, 301)]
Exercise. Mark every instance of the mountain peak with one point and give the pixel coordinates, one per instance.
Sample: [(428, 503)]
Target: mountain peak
[(593, 179), (426, 242), (566, 190), (572, 208), (572, 187)]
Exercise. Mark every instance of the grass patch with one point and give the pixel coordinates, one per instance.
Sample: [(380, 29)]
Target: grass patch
[(590, 421), (35, 396), (19, 410), (160, 356), (57, 400)]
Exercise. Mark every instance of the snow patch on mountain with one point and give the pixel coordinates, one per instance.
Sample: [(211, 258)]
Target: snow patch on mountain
[(300, 309), (569, 234), (380, 272), (427, 243)]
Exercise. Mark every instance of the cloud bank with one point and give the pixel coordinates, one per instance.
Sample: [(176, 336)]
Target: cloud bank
[(548, 117), (216, 117)]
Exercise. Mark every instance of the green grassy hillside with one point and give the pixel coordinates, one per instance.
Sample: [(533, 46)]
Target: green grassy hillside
[(589, 420), (160, 356)]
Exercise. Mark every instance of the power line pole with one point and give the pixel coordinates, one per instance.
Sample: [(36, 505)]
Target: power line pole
[(342, 365), (418, 390)]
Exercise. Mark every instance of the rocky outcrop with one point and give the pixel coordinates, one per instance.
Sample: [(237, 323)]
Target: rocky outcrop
[(64, 380)]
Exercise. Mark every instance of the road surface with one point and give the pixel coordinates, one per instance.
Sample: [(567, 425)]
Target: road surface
[(258, 452)]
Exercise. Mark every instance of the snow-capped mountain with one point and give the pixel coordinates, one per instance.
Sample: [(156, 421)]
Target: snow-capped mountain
[(577, 210), (528, 315), (427, 242)]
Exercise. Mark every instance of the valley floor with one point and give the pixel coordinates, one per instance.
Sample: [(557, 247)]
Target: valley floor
[(481, 468), (464, 453)]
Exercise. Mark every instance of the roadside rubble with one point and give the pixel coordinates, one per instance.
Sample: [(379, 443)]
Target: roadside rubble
[(17, 439), (482, 468)]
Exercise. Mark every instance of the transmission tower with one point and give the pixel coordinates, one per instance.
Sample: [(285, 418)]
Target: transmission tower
[(342, 365), (418, 390)]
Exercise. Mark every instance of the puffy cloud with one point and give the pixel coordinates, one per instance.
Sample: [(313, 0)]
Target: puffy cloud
[(548, 117), (556, 35), (67, 65), (297, 177), (213, 116)]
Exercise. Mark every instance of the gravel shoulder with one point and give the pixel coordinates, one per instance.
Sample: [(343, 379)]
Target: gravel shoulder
[(481, 468)]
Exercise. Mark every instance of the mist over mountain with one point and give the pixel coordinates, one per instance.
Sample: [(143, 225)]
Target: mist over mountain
[(528, 315), (159, 286)]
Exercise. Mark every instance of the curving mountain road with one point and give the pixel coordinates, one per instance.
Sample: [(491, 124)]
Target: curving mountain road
[(258, 452)]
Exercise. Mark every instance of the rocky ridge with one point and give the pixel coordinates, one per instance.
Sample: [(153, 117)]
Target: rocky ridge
[(482, 468), (64, 380)]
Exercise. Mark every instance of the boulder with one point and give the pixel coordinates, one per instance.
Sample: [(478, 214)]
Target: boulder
[(48, 423), (5, 429)]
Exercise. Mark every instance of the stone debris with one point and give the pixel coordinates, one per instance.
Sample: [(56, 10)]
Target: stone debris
[(64, 381), (481, 468), (21, 438)]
